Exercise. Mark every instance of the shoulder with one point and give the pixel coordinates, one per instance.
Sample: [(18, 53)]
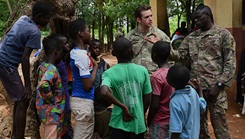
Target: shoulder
[(131, 33)]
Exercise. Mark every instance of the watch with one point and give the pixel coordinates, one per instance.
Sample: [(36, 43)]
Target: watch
[(219, 84)]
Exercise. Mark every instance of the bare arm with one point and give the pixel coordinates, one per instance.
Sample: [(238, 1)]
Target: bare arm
[(175, 135), (89, 82), (155, 101), (25, 63)]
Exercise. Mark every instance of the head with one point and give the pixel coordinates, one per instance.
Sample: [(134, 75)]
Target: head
[(95, 48), (160, 52), (178, 76), (52, 48), (143, 15), (183, 24), (41, 12), (122, 49), (78, 30), (203, 17), (62, 40)]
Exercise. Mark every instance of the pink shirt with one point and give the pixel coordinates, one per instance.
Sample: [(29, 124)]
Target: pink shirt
[(161, 88)]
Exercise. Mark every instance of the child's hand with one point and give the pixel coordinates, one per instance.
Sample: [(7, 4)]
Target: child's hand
[(153, 39), (195, 83), (127, 117)]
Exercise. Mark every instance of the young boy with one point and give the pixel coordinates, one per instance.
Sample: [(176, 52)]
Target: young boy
[(185, 104), (131, 89), (102, 113), (50, 96), (16, 48), (159, 114), (84, 70)]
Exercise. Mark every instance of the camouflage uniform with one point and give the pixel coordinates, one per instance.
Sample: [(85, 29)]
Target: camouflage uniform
[(142, 47), (211, 58)]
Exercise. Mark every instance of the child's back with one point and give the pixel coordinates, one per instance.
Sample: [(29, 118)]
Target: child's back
[(185, 104), (130, 85)]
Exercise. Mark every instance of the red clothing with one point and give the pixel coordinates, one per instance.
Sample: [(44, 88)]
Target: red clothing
[(161, 88)]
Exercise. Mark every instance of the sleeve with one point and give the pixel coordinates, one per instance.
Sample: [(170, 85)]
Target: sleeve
[(45, 86), (83, 62), (147, 84), (106, 80), (156, 86), (175, 125), (181, 54), (203, 105), (229, 59), (34, 39)]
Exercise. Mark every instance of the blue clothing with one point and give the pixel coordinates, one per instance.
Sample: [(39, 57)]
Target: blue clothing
[(64, 78), (81, 66), (185, 109), (24, 33)]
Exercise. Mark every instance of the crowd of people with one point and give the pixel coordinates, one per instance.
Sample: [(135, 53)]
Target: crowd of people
[(146, 90)]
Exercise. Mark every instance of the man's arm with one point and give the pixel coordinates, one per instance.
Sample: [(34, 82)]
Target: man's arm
[(106, 95), (25, 63), (229, 59)]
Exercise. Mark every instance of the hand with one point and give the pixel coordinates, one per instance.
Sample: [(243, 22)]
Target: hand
[(153, 39), (214, 93), (195, 83), (127, 117), (27, 94)]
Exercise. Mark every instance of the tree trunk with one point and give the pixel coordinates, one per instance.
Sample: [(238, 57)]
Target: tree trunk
[(62, 13)]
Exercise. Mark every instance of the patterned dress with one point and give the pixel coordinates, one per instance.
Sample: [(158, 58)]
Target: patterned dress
[(50, 97)]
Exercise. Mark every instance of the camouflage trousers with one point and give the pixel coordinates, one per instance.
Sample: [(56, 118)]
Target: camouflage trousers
[(217, 112)]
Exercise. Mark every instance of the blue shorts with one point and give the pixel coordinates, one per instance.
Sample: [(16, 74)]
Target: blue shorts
[(12, 83)]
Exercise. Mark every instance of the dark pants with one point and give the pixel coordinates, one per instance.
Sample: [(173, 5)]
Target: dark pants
[(120, 134)]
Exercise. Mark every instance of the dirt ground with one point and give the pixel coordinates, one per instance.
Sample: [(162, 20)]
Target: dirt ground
[(236, 121)]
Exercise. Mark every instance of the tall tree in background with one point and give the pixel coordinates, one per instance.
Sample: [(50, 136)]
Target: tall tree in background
[(182, 8)]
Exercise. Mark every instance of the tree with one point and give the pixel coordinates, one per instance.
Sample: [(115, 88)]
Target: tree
[(181, 8)]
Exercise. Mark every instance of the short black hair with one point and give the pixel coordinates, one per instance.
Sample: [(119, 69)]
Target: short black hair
[(94, 42), (122, 49), (178, 75), (206, 10), (137, 12), (50, 43), (41, 7), (75, 26), (161, 49)]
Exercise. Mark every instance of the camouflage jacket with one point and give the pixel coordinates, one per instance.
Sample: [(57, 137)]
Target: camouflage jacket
[(210, 56), (142, 47)]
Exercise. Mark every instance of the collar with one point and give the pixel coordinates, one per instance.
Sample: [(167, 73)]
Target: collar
[(186, 90)]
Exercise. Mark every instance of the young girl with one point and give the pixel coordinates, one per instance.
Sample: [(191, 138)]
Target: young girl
[(50, 96)]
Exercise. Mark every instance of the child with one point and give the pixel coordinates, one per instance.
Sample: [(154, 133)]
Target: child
[(131, 89), (102, 113), (185, 104), (62, 68), (84, 70), (16, 48), (50, 97), (159, 114)]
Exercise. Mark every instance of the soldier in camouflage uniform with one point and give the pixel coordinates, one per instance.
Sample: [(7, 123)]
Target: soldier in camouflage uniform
[(209, 52), (144, 36)]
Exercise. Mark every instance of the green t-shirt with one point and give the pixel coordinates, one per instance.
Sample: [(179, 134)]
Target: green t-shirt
[(128, 82)]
